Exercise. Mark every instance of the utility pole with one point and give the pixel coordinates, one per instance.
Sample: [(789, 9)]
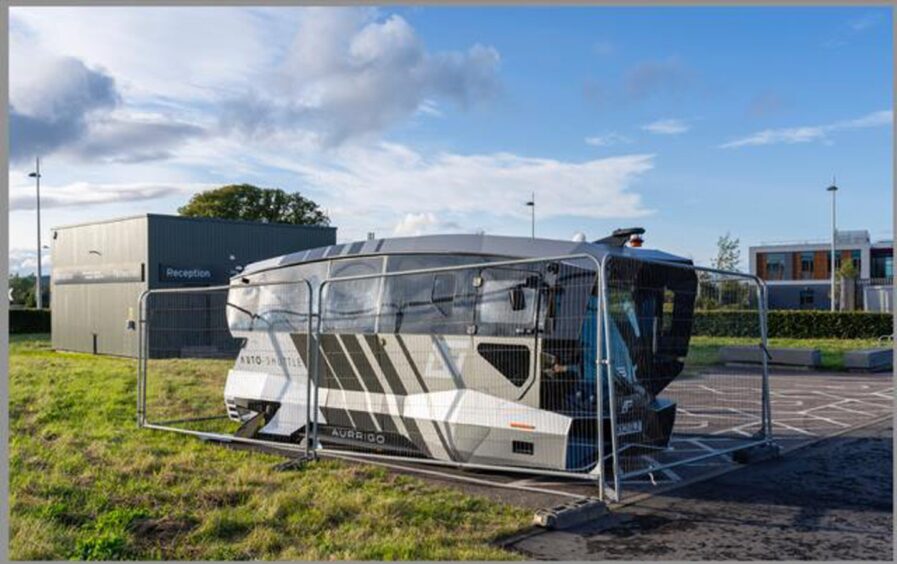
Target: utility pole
[(834, 190), (532, 205), (39, 298)]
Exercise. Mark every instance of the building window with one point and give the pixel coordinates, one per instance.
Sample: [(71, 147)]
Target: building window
[(882, 266), (806, 266), (775, 266), (855, 257), (806, 298)]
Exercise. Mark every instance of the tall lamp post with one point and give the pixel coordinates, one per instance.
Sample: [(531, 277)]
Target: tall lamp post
[(532, 205), (36, 176), (834, 190)]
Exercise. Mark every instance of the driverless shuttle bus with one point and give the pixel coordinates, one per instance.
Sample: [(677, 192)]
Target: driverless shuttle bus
[(469, 349)]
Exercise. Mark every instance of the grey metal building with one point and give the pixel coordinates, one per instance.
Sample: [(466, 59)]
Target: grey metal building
[(101, 268)]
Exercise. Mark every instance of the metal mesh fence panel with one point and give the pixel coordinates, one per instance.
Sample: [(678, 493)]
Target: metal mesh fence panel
[(674, 401), (210, 357), (491, 365), (558, 366)]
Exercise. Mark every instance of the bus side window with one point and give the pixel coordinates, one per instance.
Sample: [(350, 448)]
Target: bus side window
[(443, 294)]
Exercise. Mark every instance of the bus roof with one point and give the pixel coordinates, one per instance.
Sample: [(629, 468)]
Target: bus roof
[(458, 244)]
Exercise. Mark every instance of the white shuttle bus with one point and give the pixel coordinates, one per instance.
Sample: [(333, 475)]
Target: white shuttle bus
[(490, 364)]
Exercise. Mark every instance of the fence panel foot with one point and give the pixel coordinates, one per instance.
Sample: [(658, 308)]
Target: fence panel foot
[(757, 453), (570, 514)]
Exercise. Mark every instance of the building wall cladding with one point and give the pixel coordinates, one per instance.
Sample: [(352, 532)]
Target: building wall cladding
[(100, 270), (199, 245), (90, 297), (789, 296), (200, 242)]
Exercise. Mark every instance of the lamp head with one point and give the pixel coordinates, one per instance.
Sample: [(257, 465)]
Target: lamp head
[(33, 175)]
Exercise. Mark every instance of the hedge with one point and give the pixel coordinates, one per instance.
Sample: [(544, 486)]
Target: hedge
[(794, 324), (29, 320)]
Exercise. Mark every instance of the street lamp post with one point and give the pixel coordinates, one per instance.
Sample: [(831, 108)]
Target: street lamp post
[(532, 205), (39, 298), (834, 190)]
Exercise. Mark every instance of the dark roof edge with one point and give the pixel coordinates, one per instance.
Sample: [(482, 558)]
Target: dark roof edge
[(185, 218)]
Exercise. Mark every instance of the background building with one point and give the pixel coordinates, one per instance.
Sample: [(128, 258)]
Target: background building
[(798, 275), (100, 269)]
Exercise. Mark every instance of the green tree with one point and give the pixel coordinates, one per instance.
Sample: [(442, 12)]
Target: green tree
[(848, 269), (721, 290), (251, 203), (728, 253), (23, 289)]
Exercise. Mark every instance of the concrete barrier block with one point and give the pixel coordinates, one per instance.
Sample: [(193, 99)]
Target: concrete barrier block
[(808, 358), (869, 360)]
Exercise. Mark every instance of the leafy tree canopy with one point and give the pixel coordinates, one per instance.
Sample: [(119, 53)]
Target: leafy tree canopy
[(728, 253), (848, 269), (23, 289), (251, 203)]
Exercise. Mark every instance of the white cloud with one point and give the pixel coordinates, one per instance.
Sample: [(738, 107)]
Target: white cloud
[(184, 53), (806, 134), (423, 223), (667, 127), (79, 194), (24, 261), (60, 104), (52, 102), (351, 74), (296, 83), (607, 139), (386, 182)]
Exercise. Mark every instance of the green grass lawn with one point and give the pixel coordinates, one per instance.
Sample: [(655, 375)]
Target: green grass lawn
[(86, 483), (703, 350)]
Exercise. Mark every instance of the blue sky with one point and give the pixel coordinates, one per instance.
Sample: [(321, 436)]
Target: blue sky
[(688, 121)]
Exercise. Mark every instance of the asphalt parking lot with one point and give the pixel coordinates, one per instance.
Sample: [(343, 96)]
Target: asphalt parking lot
[(717, 409), (829, 497), (829, 501)]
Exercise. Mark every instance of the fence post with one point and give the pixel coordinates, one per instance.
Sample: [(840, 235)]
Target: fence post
[(308, 370), (315, 358), (766, 408), (600, 362), (611, 392), (142, 352)]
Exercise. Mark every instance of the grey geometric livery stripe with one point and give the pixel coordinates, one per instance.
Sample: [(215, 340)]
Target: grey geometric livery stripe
[(386, 366), (365, 370), (410, 361), (338, 361)]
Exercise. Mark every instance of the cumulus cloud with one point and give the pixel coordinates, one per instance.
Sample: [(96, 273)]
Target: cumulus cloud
[(80, 194), (806, 134), (50, 105), (390, 179), (424, 223), (349, 74), (607, 139), (59, 104), (24, 261), (134, 139), (667, 127), (187, 53)]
